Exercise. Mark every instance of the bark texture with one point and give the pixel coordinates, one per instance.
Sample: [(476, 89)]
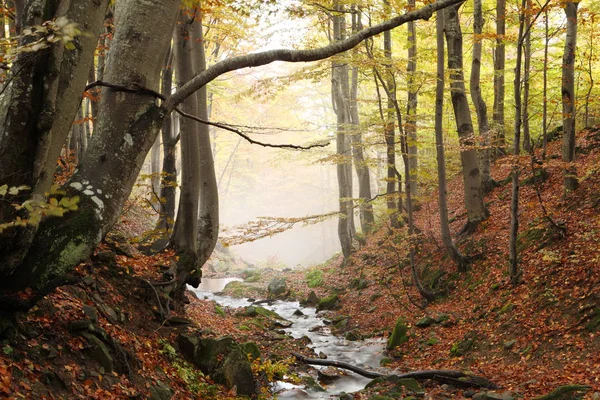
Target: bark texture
[(127, 126), (208, 204), (412, 102), (451, 248), (477, 98), (568, 96), (473, 191), (499, 81), (38, 108)]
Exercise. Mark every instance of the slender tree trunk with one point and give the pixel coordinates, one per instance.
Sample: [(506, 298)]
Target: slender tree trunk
[(545, 88), (208, 211), (362, 169), (513, 270), (527, 70), (389, 132), (155, 171), (499, 66), (473, 191), (477, 98), (568, 96), (168, 183), (453, 251), (590, 69), (341, 96), (185, 232), (412, 103)]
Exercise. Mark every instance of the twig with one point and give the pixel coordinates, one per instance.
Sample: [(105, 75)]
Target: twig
[(145, 91)]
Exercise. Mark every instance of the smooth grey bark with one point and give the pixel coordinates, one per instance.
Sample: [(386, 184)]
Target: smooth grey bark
[(126, 129), (208, 204), (499, 81), (155, 171), (453, 252), (37, 110), (412, 103), (340, 97), (389, 133), (168, 182), (362, 169), (473, 191), (545, 87), (477, 98), (526, 71), (185, 232), (513, 257), (568, 96)]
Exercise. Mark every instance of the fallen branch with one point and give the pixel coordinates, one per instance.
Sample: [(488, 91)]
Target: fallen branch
[(456, 378)]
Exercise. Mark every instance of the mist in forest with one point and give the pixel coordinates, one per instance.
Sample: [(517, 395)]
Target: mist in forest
[(255, 181)]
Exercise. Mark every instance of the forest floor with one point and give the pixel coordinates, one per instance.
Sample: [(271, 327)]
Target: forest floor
[(529, 339)]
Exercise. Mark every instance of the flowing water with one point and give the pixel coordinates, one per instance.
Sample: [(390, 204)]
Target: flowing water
[(365, 353)]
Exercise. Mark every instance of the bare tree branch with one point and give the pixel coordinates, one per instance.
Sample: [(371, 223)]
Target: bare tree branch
[(150, 92)]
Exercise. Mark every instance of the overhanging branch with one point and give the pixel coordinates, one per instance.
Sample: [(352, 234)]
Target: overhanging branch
[(267, 57)]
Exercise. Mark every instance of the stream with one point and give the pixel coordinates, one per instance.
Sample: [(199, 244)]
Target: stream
[(365, 353)]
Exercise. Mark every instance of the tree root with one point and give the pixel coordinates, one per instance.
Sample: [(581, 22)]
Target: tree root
[(456, 378)]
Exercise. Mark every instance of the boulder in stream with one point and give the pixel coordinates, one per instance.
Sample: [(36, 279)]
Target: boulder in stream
[(277, 287), (328, 303), (311, 300)]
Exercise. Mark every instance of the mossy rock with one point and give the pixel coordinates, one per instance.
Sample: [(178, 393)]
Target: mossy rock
[(251, 349), (426, 322), (160, 391), (594, 323), (359, 283), (464, 346), (566, 392), (538, 237), (312, 299), (399, 334), (311, 384), (408, 383), (328, 303), (353, 336), (385, 361)]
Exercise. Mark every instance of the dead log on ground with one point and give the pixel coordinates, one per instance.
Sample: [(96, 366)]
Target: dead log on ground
[(456, 378)]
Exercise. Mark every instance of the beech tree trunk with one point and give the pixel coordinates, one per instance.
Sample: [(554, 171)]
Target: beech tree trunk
[(37, 110), (168, 182), (340, 96), (499, 66), (527, 69), (390, 134), (453, 251), (126, 129), (473, 191), (412, 103), (545, 87), (480, 106), (513, 269), (208, 204), (568, 96), (185, 233), (362, 169)]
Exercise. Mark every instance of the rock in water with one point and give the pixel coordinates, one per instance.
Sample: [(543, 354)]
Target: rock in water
[(277, 287)]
